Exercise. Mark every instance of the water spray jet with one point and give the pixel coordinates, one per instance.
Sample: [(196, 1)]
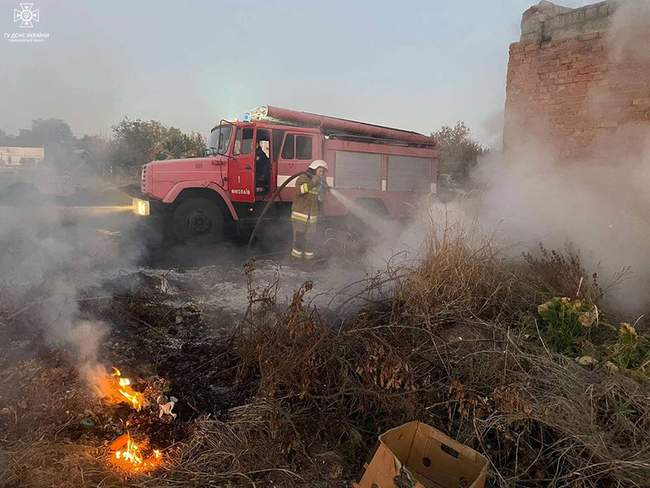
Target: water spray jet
[(376, 222)]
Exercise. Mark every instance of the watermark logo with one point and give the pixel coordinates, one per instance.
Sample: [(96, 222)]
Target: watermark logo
[(27, 15)]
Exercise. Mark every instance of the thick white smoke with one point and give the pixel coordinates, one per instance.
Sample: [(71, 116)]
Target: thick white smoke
[(48, 254), (599, 207)]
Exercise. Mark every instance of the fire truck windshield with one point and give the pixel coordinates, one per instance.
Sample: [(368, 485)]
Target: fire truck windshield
[(220, 139)]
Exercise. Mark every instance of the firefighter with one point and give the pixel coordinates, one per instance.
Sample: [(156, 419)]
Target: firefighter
[(262, 170), (310, 189)]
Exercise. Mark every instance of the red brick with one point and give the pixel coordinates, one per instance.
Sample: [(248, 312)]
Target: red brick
[(587, 77), (516, 47), (590, 36), (575, 88)]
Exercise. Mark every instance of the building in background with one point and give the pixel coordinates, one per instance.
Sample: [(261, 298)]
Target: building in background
[(21, 156), (579, 79)]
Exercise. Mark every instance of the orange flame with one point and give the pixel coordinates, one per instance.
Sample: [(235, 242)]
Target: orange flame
[(113, 388), (136, 399), (128, 455)]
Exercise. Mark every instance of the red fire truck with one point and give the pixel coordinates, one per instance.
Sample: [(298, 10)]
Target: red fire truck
[(247, 161)]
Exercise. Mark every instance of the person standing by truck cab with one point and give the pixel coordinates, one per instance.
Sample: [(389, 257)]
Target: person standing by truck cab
[(262, 170), (310, 189)]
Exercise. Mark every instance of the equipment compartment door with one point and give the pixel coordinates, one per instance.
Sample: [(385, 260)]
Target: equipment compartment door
[(241, 169)]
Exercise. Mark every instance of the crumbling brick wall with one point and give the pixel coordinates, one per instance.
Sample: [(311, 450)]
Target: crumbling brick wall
[(574, 81)]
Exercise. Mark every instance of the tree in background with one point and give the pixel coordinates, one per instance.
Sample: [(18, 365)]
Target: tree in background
[(58, 140), (177, 144), (95, 152), (459, 153), (136, 142), (47, 132)]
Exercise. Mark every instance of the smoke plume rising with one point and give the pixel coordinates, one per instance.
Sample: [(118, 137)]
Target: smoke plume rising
[(48, 254), (629, 34)]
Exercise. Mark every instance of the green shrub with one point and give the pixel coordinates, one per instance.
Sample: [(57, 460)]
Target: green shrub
[(631, 351), (566, 323)]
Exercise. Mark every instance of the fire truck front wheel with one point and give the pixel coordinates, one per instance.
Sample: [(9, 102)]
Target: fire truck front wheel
[(198, 221)]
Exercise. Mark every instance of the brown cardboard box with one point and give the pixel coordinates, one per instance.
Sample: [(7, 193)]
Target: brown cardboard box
[(416, 455)]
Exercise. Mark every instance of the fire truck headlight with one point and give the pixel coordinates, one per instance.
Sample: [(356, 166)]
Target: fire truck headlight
[(140, 207)]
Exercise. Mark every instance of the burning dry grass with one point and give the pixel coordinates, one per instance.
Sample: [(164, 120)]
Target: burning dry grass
[(458, 344)]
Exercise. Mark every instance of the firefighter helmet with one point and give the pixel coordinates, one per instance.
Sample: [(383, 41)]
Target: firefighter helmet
[(319, 163)]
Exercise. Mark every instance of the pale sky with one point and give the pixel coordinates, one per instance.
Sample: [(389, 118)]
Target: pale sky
[(410, 64)]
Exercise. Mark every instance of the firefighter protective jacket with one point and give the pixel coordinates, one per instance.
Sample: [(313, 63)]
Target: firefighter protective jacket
[(305, 203)]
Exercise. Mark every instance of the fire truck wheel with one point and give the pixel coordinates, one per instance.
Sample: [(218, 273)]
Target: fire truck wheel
[(198, 221)]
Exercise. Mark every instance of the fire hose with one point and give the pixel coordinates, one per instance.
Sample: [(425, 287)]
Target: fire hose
[(268, 204)]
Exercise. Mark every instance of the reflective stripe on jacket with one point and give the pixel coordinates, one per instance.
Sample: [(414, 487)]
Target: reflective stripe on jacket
[(304, 218), (305, 203)]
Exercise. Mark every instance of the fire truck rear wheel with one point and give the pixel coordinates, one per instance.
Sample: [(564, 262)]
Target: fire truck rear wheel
[(198, 221)]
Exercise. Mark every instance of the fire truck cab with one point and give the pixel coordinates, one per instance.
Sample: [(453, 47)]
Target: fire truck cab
[(247, 160)]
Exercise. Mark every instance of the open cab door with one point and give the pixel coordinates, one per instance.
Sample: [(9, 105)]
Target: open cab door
[(241, 169)]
